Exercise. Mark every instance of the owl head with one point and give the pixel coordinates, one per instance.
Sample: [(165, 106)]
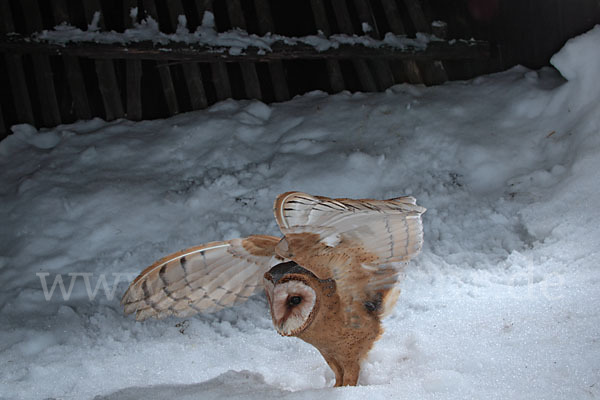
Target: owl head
[(293, 293)]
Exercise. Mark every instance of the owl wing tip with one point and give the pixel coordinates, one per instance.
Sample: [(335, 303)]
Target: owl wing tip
[(126, 299), (200, 279), (279, 207), (139, 317)]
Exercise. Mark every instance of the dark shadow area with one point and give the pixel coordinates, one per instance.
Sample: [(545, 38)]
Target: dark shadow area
[(229, 385)]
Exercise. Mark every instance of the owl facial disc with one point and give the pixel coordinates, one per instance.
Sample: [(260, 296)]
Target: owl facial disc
[(291, 299)]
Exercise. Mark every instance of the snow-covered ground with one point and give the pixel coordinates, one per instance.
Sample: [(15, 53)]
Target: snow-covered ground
[(503, 302)]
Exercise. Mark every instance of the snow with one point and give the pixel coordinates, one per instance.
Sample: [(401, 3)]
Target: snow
[(234, 41), (501, 303)]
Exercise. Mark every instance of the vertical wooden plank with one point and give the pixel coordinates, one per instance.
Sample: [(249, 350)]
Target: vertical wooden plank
[(433, 72), (383, 73), (320, 15), (410, 68), (345, 24), (3, 130), (18, 86), (107, 79), (72, 68), (251, 82), (14, 66), (392, 15), (265, 25), (168, 87), (107, 83), (44, 77), (190, 70), (133, 72), (336, 79), (60, 11), (220, 77), (163, 68), (417, 16)]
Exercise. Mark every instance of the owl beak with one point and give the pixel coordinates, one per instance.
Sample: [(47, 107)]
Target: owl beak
[(280, 328)]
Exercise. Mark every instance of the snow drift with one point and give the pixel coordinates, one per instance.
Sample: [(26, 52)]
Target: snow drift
[(502, 303)]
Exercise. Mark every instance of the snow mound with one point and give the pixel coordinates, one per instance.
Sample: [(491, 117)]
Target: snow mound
[(579, 62), (579, 59), (24, 134)]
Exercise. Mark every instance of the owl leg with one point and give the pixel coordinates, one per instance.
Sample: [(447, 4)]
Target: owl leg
[(335, 367), (346, 372), (350, 374)]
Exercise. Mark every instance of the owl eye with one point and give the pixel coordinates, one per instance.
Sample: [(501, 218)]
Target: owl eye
[(295, 300)]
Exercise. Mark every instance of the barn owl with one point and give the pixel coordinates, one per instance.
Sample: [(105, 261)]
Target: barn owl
[(329, 281)]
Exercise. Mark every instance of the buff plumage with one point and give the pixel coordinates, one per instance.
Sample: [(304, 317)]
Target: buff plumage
[(329, 280)]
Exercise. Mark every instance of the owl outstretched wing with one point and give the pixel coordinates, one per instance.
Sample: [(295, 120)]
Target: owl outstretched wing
[(391, 230), (204, 278), (358, 243)]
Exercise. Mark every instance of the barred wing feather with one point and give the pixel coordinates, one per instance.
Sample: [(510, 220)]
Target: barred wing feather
[(391, 229), (204, 278)]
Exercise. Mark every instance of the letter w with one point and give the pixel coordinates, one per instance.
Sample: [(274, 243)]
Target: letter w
[(58, 280)]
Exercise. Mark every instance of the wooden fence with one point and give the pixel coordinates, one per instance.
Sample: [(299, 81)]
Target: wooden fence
[(46, 84)]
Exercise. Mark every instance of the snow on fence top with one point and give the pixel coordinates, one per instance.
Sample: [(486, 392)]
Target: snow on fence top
[(149, 42), (236, 39)]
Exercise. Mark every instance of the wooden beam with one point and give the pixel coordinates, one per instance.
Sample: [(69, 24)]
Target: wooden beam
[(73, 71), (392, 15), (183, 52), (383, 73), (434, 72), (44, 77), (220, 76), (133, 72), (105, 69), (192, 75), (133, 89), (164, 71), (3, 131), (168, 87), (336, 78), (265, 25), (14, 66), (345, 24), (410, 69), (417, 16), (251, 82), (18, 86)]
